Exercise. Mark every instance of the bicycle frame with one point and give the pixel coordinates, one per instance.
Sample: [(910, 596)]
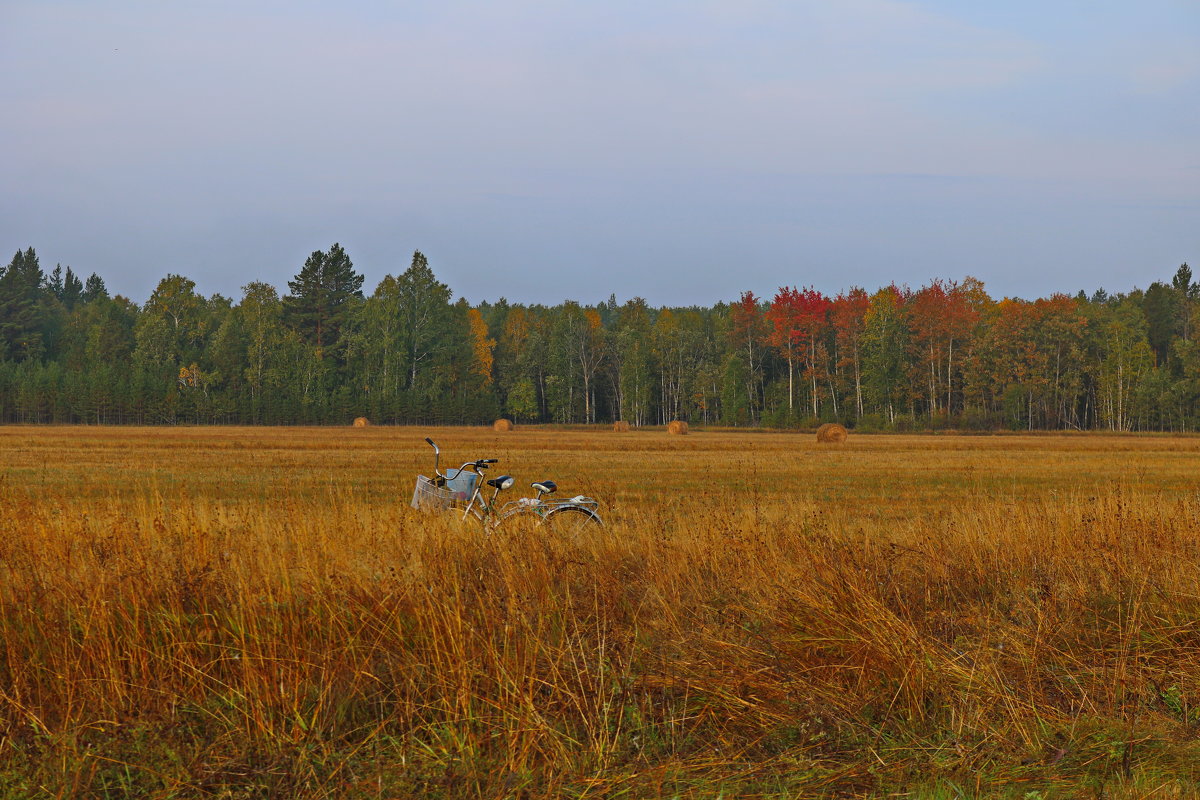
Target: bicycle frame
[(487, 508)]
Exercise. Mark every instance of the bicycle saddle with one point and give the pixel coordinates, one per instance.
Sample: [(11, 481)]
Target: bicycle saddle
[(501, 481), (546, 487)]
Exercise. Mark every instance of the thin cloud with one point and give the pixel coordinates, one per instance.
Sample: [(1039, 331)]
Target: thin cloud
[(669, 138)]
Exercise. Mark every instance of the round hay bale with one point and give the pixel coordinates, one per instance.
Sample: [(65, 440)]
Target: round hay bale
[(502, 425), (361, 422), (621, 426), (677, 427), (831, 433)]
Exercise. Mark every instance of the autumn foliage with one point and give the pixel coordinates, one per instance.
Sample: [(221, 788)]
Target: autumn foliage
[(942, 355)]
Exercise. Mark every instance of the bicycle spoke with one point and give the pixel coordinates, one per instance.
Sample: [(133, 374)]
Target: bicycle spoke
[(573, 523), (520, 522)]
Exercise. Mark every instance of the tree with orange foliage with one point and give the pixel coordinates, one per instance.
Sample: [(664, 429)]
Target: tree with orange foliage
[(522, 373), (1001, 373), (482, 346), (1030, 362)]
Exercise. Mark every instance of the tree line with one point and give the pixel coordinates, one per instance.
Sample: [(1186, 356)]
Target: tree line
[(944, 355)]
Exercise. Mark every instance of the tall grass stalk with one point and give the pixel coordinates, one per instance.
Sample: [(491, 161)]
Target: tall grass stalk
[(163, 642)]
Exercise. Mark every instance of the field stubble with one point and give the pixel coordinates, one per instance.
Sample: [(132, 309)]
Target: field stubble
[(257, 612)]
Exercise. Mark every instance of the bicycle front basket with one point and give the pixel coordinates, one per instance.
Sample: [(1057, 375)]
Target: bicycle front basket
[(428, 496)]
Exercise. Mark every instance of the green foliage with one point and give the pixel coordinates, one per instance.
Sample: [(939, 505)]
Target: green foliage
[(1162, 305), (24, 308), (94, 289), (735, 408), (945, 356), (522, 400), (884, 347), (321, 298)]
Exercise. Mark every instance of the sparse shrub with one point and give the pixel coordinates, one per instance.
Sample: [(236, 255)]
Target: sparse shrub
[(977, 419)]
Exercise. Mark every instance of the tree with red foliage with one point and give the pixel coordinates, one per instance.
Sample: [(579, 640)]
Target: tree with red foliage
[(797, 320), (942, 316)]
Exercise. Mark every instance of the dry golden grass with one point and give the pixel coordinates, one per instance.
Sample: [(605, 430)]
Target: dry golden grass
[(248, 612)]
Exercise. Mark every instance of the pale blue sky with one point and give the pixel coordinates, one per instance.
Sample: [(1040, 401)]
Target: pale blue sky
[(542, 150)]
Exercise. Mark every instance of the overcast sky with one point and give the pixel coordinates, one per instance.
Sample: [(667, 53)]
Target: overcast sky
[(540, 150)]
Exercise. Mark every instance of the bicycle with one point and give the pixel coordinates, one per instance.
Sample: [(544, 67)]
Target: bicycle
[(572, 517)]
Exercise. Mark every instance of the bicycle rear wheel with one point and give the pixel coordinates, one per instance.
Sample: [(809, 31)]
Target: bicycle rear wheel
[(521, 521), (574, 523)]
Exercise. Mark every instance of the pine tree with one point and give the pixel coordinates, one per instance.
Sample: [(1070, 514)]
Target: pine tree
[(94, 289), (22, 308), (321, 297), (72, 289), (1163, 307), (55, 282), (1188, 293)]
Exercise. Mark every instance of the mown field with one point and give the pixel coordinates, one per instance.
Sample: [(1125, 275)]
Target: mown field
[(253, 613)]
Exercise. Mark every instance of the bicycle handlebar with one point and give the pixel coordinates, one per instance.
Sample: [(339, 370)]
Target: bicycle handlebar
[(476, 466)]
